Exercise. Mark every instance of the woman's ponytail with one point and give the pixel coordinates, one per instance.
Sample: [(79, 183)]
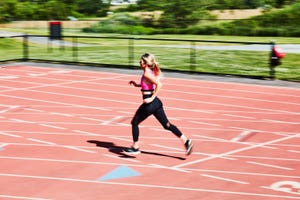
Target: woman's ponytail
[(150, 60), (156, 69)]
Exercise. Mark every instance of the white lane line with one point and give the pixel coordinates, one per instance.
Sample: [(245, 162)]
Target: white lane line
[(150, 167), (92, 119), (33, 110), (21, 121), (52, 126), (8, 109), (167, 147), (41, 141), (204, 123), (20, 197), (112, 120), (211, 138), (239, 116), (64, 146), (268, 165), (241, 136), (280, 122), (86, 133), (238, 150), (8, 77), (224, 179), (120, 158), (293, 151), (169, 168), (78, 149), (150, 186), (9, 134), (61, 114), (120, 138), (2, 146)]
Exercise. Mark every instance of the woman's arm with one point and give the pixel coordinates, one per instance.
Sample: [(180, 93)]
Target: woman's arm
[(134, 83)]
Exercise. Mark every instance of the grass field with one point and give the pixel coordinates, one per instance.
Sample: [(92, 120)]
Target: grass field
[(112, 51)]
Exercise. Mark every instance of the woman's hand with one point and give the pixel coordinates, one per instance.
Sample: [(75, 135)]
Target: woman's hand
[(134, 83), (148, 100)]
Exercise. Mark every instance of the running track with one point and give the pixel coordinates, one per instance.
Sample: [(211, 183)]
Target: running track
[(62, 131)]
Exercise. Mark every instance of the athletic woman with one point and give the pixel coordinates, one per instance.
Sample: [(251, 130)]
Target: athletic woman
[(150, 86)]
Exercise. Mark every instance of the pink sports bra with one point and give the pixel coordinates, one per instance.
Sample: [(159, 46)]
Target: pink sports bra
[(146, 86)]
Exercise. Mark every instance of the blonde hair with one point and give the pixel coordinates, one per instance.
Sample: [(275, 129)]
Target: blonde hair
[(149, 59)]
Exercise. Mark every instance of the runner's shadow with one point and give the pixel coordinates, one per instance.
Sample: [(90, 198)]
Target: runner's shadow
[(111, 147), (159, 154), (119, 150)]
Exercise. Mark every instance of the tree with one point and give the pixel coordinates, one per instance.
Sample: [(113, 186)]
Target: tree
[(93, 7), (182, 13), (7, 9), (151, 5)]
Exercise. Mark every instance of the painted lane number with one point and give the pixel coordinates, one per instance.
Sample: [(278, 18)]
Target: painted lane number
[(292, 187)]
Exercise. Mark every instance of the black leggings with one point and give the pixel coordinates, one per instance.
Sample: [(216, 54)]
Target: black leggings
[(154, 108)]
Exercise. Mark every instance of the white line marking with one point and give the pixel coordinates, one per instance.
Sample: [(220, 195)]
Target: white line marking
[(281, 122), (293, 151), (148, 166), (8, 109), (34, 110), (117, 157), (11, 135), (8, 77), (224, 179), (22, 121), (112, 120), (51, 126), (267, 165), (41, 141), (36, 74), (120, 138), (169, 168), (204, 123), (2, 146), (92, 119), (149, 186), (211, 138), (79, 149), (85, 132), (61, 114), (241, 136), (167, 147), (238, 116), (19, 197), (238, 150)]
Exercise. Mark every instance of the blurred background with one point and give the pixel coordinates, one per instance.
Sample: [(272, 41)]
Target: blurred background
[(232, 37)]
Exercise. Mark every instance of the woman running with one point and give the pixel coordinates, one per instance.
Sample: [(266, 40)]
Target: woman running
[(150, 86)]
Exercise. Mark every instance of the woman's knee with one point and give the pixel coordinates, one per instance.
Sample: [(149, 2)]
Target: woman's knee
[(134, 122), (167, 126)]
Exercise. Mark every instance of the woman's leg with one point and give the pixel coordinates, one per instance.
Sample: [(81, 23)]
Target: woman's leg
[(140, 115), (161, 116)]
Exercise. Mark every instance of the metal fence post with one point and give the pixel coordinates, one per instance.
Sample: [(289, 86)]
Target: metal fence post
[(272, 67), (192, 56), (130, 51), (25, 48), (74, 49)]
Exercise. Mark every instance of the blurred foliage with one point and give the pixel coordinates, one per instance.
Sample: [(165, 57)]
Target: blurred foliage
[(176, 16)]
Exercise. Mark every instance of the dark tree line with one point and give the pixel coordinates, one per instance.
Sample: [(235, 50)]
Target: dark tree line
[(177, 11)]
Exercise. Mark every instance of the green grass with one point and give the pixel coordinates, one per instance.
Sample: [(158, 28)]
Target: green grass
[(115, 52)]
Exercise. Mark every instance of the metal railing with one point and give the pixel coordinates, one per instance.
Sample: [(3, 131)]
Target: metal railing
[(196, 56)]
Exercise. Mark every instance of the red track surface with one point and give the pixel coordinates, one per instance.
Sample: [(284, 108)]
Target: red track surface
[(61, 130)]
